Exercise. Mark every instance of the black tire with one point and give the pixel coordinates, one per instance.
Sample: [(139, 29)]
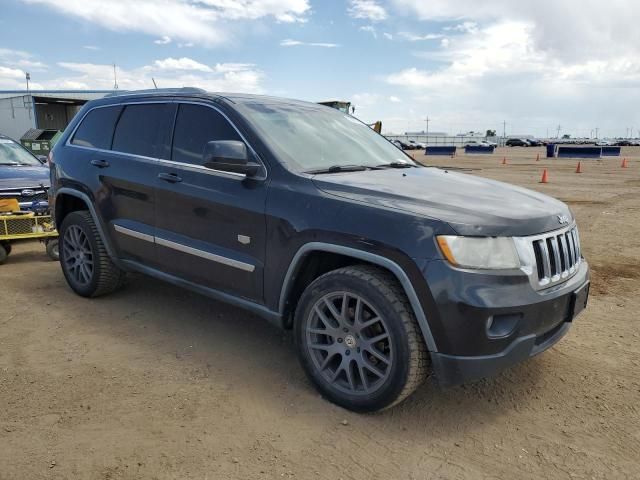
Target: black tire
[(52, 249), (3, 254), (104, 276), (376, 291), (7, 247)]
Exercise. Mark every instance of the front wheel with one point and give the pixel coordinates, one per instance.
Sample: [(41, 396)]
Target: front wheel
[(358, 339)]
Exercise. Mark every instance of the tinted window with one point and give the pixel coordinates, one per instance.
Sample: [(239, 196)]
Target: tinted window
[(195, 126), (144, 130), (96, 130)]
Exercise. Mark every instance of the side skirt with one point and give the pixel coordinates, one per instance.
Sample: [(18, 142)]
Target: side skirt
[(272, 317)]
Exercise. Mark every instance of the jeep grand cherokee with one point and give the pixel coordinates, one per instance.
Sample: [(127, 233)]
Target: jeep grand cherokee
[(387, 271)]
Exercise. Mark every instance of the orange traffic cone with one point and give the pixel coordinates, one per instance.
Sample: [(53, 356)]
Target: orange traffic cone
[(538, 158), (545, 177), (624, 164), (504, 161), (579, 169)]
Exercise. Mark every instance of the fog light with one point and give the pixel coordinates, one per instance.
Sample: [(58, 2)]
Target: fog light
[(500, 326)]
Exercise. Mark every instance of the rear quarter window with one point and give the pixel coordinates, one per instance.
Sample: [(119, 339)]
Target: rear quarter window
[(96, 129)]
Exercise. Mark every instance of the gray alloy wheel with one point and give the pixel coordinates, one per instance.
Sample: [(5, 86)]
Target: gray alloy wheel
[(78, 256), (349, 343), (85, 262), (358, 340)]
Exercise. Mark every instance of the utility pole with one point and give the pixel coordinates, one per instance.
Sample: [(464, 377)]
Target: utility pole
[(504, 130), (597, 130), (559, 128), (115, 77), (427, 120), (27, 76)]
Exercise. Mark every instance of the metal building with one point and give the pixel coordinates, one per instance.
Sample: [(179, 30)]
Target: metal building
[(21, 110)]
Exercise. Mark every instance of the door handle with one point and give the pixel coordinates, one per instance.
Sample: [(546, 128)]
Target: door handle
[(169, 177), (99, 163)]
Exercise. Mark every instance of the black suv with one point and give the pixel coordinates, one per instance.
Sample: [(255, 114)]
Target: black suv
[(386, 270)]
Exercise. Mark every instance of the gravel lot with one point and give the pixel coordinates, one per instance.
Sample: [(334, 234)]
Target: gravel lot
[(155, 382)]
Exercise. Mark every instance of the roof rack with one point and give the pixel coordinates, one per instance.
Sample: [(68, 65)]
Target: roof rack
[(156, 90)]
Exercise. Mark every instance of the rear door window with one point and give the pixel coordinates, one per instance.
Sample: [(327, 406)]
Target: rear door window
[(96, 129), (195, 126), (145, 130)]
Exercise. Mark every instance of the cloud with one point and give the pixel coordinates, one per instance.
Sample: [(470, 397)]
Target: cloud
[(569, 29), (498, 71), (368, 10), (207, 22), (91, 47), (169, 72), (183, 63), (163, 41), (388, 36), (297, 43), (394, 99), (14, 65), (412, 37), (371, 29)]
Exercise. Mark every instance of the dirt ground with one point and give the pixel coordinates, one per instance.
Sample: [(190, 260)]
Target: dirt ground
[(155, 382)]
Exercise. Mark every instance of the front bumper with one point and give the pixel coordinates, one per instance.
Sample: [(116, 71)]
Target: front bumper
[(486, 323)]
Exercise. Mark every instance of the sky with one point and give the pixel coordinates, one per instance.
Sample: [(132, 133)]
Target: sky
[(535, 65)]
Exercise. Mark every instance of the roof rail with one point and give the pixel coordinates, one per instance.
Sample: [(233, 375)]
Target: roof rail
[(156, 90)]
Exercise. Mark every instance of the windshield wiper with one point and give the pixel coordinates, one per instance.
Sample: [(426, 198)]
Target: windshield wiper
[(396, 165), (339, 169)]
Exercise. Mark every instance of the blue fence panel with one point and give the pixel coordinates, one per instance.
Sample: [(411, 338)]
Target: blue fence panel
[(579, 152), (551, 150), (478, 149), (611, 151), (440, 150)]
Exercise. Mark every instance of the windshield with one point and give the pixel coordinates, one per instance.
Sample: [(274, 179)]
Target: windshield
[(12, 153), (309, 138)]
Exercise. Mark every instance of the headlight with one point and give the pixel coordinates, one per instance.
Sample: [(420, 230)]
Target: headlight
[(481, 253)]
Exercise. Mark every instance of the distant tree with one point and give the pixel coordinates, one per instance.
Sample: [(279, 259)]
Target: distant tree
[(491, 133), (566, 136)]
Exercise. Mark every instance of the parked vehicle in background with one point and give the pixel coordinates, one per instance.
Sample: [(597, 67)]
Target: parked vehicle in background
[(22, 175), (603, 143), (517, 142), (386, 270), (403, 145), (534, 142), (479, 143), (417, 145), (624, 143)]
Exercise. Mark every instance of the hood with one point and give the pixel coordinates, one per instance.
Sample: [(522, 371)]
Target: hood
[(23, 177), (471, 205)]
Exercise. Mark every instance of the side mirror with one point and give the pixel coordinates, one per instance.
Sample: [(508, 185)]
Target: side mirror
[(229, 156), (42, 158)]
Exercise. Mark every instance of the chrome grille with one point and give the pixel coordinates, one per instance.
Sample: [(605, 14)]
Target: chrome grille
[(38, 194), (557, 255)]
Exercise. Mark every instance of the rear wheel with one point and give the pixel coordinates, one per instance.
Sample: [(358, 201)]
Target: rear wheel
[(3, 253), (85, 263), (52, 249), (358, 340)]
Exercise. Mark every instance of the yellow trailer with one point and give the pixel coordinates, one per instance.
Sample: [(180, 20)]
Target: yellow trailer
[(20, 225)]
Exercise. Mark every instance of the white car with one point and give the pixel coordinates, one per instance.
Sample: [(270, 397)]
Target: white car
[(417, 145), (480, 143)]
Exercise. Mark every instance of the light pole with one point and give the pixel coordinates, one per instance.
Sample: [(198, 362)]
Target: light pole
[(427, 120)]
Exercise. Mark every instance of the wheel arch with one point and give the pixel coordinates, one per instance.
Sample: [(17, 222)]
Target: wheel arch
[(358, 256), (68, 200)]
